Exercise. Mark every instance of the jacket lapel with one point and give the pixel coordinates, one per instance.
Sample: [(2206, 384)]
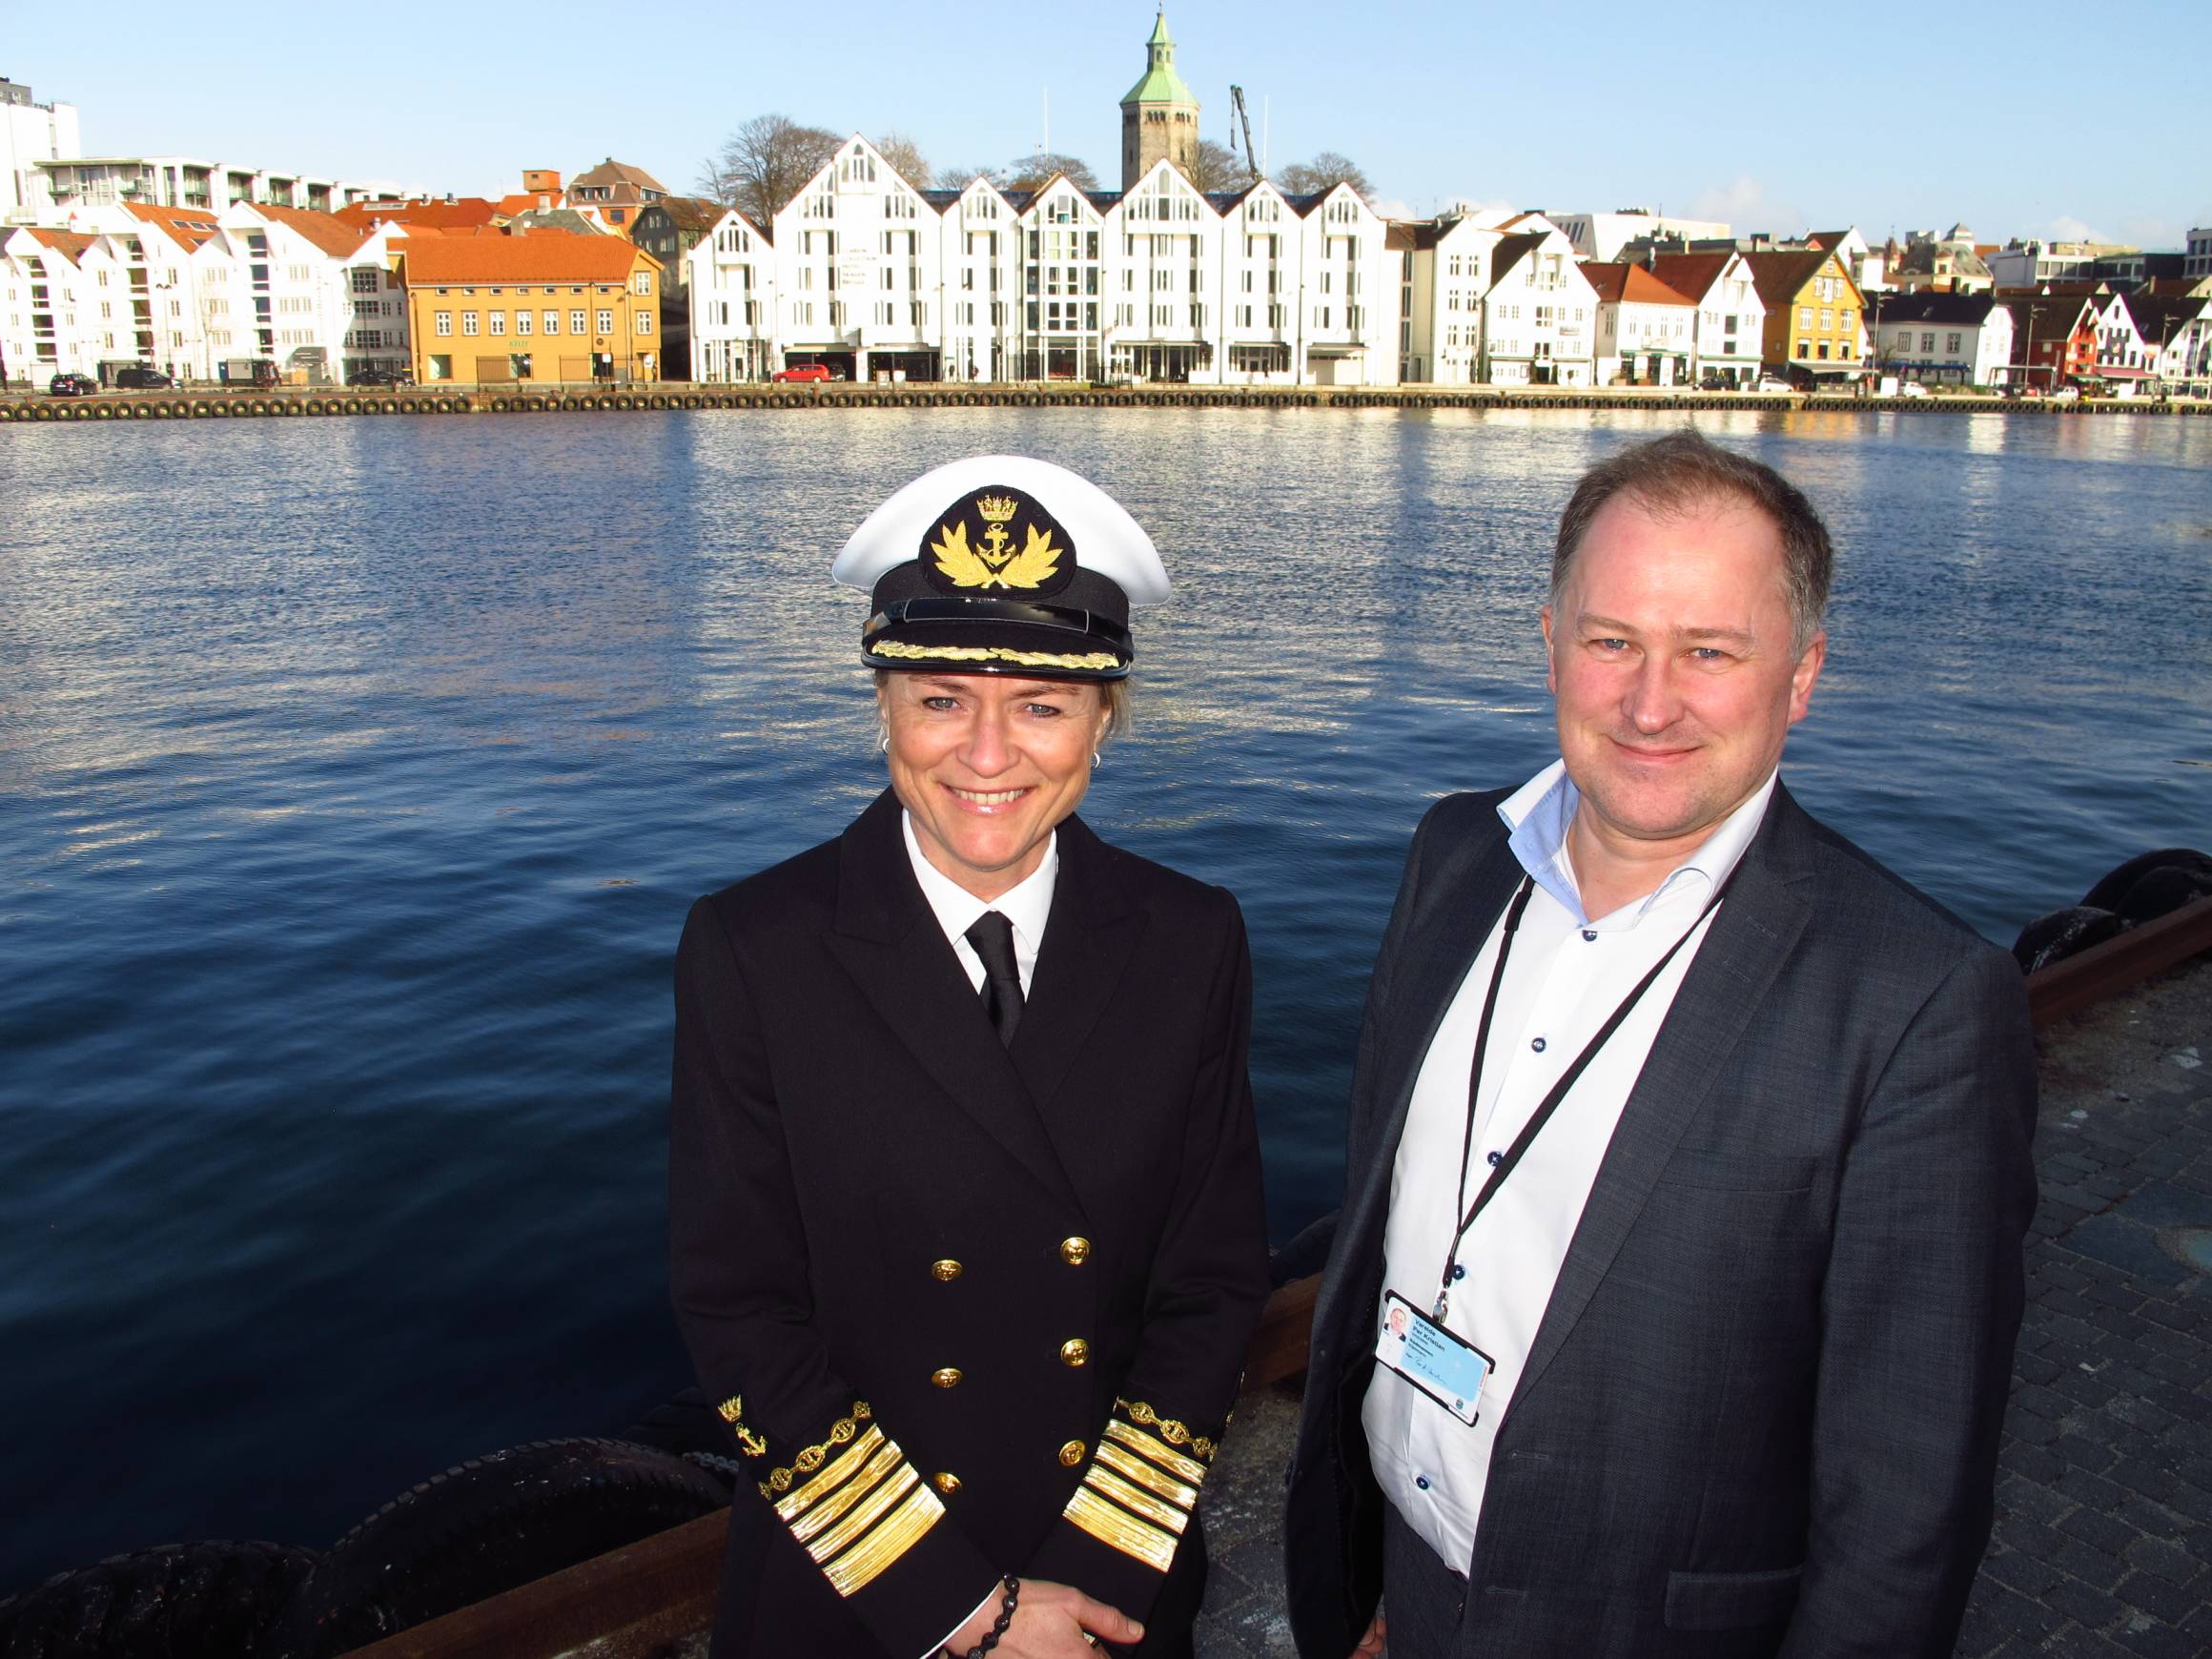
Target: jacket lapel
[(1751, 937), (887, 938), (1462, 903), (1089, 936)]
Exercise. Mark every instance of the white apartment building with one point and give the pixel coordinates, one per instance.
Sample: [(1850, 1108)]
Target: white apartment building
[(1646, 333), (205, 296), (46, 300), (2026, 264), (1540, 313), (184, 181), (1960, 338), (1731, 318), (1601, 236), (869, 276), (31, 133)]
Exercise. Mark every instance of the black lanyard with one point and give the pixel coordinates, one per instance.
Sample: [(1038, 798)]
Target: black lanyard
[(1544, 1107)]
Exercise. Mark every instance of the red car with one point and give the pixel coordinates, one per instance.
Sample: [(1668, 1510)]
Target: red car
[(803, 371)]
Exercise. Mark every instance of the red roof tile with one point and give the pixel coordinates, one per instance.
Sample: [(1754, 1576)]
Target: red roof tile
[(328, 231), (446, 260), (1618, 282)]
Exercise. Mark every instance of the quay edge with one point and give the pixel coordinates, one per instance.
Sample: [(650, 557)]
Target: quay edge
[(210, 403)]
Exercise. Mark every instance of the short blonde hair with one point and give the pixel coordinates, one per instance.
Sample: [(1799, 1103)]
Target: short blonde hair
[(1117, 696)]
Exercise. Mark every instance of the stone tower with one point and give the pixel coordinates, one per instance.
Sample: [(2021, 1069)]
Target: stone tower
[(1159, 116)]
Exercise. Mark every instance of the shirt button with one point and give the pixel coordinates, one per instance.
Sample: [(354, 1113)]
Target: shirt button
[(1588, 937), (1537, 1045), (1495, 1157), (1420, 1481), (1457, 1271)]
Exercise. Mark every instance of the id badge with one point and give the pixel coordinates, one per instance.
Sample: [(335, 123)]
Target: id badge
[(1448, 1369)]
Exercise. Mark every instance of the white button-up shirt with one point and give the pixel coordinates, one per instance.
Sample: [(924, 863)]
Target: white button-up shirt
[(1565, 976), (1026, 905)]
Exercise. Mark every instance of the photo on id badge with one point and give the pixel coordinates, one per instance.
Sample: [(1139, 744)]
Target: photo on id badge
[(1448, 1368)]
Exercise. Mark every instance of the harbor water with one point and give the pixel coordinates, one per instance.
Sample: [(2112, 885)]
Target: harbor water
[(355, 777)]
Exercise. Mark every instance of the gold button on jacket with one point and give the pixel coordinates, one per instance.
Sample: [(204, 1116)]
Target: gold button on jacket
[(1074, 1351), (946, 1376), (945, 1271), (1073, 1453), (947, 1482), (1075, 1252)]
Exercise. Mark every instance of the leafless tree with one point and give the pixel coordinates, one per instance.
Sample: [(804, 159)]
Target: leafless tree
[(906, 158), (761, 166), (961, 177), (1218, 167), (1324, 172), (1029, 172)]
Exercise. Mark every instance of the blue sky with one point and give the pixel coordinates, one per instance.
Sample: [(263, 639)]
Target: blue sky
[(1922, 116)]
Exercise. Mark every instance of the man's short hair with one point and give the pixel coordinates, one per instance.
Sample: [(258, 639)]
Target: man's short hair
[(1673, 473)]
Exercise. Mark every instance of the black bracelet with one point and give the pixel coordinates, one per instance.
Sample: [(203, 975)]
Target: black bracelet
[(998, 1627)]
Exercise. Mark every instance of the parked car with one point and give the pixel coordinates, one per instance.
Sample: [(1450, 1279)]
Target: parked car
[(1912, 389), (381, 375), (1771, 383), (73, 386), (2067, 395), (138, 377), (803, 371)]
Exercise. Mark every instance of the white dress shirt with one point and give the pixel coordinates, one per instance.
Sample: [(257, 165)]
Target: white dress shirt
[(1026, 905), (1564, 977)]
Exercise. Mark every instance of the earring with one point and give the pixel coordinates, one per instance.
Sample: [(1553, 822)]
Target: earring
[(1094, 760), (882, 743)]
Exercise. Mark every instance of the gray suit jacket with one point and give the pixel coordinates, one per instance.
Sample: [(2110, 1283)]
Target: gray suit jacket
[(1761, 1413)]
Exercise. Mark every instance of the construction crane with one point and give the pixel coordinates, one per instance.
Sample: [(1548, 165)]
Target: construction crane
[(1244, 119)]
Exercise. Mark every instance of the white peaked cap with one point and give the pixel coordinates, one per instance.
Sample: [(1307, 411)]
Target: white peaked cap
[(1107, 541)]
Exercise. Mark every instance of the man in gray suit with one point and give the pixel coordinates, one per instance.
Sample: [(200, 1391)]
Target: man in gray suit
[(1671, 1306)]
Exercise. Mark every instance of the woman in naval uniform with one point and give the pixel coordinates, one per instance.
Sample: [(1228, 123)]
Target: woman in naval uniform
[(968, 1236)]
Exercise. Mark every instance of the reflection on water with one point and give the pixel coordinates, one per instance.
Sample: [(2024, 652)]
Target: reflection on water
[(355, 776)]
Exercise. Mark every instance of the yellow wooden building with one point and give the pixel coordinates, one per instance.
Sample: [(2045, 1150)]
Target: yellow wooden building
[(1815, 314), (544, 307)]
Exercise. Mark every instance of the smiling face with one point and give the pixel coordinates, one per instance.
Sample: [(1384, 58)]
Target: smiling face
[(987, 765), (1673, 669)]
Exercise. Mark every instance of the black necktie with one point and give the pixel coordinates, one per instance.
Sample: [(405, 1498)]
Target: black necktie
[(992, 937)]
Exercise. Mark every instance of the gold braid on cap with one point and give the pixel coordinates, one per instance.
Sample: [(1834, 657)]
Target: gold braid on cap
[(995, 654)]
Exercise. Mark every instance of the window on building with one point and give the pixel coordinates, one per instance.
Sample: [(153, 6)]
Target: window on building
[(607, 323), (444, 323), (576, 322), (364, 277), (644, 322), (468, 323), (1950, 345), (519, 365), (499, 322), (523, 321), (642, 282)]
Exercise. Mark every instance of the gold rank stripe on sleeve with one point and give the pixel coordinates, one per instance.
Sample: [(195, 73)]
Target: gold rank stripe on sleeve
[(1157, 1512), (1135, 1469), (858, 1505), (1152, 1446), (1117, 1527), (899, 1532)]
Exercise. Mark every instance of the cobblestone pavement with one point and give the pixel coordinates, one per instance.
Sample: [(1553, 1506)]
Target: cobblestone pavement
[(2103, 1542)]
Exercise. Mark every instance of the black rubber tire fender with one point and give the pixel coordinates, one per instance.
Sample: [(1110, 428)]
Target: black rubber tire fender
[(2063, 934), (173, 1602), (2151, 884), (486, 1526)]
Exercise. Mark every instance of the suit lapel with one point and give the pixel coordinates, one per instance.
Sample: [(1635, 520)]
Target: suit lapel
[(887, 938), (1751, 937)]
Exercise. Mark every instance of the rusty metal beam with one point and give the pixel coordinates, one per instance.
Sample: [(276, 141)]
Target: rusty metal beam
[(2105, 970), (628, 1603)]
